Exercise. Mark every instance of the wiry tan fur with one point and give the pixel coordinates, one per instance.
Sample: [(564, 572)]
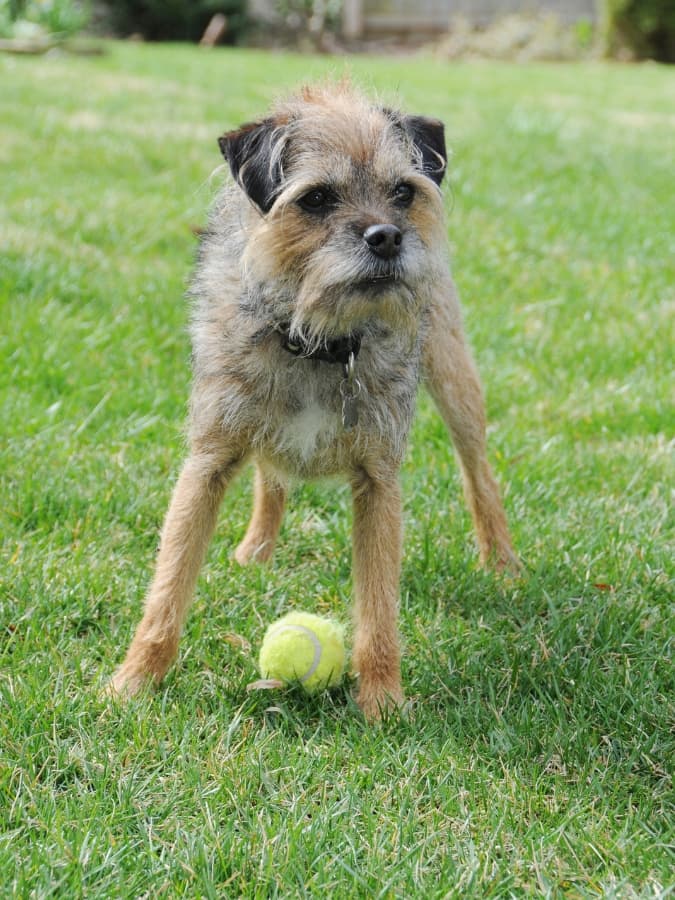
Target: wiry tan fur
[(267, 263)]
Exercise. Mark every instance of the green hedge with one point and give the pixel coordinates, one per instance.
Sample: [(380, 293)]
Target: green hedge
[(646, 28), (47, 18), (174, 20)]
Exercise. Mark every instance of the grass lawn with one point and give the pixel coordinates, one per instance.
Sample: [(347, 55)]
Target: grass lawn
[(537, 755)]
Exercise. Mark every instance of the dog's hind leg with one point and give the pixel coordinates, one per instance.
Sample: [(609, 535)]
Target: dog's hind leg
[(451, 377), (269, 499), (188, 528)]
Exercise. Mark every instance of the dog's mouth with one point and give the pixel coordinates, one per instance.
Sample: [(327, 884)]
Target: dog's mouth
[(378, 282)]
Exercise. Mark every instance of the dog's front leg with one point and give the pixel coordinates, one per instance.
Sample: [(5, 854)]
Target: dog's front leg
[(453, 382), (188, 527), (377, 539)]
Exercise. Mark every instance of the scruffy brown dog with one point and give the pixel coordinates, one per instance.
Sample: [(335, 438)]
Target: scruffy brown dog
[(321, 294)]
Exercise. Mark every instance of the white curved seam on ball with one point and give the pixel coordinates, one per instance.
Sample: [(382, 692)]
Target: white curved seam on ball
[(315, 643)]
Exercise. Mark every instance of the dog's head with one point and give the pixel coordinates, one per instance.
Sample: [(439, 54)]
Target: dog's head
[(350, 220)]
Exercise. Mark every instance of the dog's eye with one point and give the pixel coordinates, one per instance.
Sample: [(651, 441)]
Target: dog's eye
[(404, 193), (316, 200)]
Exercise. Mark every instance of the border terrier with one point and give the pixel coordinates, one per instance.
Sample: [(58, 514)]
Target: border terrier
[(322, 294)]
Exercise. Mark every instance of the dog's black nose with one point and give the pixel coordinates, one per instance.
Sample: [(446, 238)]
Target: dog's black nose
[(383, 240)]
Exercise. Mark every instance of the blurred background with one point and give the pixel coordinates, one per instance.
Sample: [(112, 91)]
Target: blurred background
[(519, 30)]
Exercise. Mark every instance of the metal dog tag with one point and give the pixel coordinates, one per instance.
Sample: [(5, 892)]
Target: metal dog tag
[(350, 411), (350, 388)]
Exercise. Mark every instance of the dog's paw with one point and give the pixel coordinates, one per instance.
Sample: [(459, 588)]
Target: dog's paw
[(507, 563), (254, 550), (126, 683), (377, 701), (501, 558)]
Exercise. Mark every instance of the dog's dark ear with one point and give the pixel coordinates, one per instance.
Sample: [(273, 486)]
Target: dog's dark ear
[(428, 136), (249, 153)]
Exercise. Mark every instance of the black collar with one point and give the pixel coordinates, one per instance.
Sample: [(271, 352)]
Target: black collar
[(336, 350)]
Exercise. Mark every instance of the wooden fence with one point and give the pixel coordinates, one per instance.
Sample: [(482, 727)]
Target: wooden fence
[(376, 17)]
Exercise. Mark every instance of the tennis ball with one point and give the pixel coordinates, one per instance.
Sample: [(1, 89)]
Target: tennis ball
[(301, 647)]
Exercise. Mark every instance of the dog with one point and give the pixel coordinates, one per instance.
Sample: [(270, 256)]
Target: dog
[(322, 295)]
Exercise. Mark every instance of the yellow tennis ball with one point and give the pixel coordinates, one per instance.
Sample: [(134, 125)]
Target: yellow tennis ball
[(301, 647)]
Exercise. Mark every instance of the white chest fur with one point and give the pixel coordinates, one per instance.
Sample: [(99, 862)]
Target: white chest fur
[(308, 432)]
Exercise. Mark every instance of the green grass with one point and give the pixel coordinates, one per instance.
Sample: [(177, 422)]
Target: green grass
[(537, 757)]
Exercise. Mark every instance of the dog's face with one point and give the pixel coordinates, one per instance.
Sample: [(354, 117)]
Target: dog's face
[(350, 222)]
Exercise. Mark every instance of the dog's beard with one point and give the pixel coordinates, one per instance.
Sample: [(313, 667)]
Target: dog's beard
[(339, 289), (338, 295)]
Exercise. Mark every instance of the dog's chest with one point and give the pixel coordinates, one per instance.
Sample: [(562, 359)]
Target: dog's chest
[(308, 420), (304, 433), (300, 428)]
